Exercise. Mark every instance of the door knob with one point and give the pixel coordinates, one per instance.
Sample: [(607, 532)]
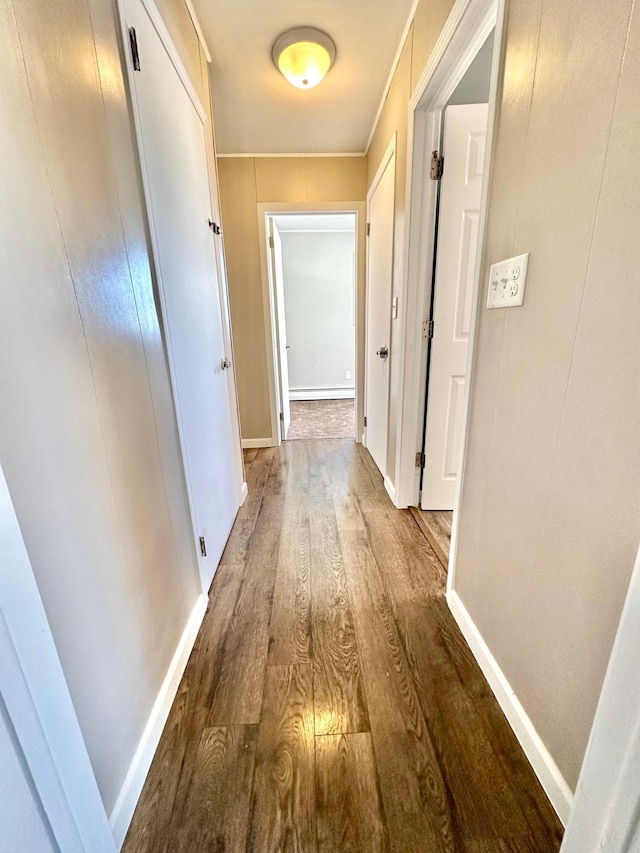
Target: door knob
[(383, 352), (225, 363)]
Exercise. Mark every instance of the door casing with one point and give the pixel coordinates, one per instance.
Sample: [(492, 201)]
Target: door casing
[(282, 360), (388, 162), (466, 30), (36, 699), (264, 209)]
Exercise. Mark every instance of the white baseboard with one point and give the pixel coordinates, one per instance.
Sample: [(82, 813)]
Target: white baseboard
[(391, 489), (322, 393), (251, 443), (244, 493), (134, 780), (543, 765)]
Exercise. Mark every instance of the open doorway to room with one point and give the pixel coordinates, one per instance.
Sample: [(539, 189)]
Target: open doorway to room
[(463, 148), (452, 113), (312, 275)]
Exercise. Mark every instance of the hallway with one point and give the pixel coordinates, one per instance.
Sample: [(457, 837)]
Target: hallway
[(330, 702)]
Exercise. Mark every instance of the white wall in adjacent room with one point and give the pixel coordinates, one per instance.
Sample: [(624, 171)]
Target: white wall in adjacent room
[(319, 306)]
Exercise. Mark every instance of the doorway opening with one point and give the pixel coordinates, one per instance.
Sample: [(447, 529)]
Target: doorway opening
[(452, 113), (381, 308), (463, 147), (313, 268), (311, 272)]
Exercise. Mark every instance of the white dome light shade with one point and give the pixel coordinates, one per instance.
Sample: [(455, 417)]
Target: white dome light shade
[(303, 56)]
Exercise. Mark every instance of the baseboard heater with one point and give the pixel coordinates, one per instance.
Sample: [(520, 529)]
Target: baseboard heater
[(321, 393)]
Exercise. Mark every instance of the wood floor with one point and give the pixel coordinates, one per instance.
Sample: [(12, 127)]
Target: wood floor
[(330, 702), (436, 526)]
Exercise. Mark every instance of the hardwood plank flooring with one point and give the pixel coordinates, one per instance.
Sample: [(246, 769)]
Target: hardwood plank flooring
[(236, 690), (339, 702), (330, 702), (436, 526), (415, 797), (283, 804), (290, 625), (157, 817), (348, 801), (217, 807)]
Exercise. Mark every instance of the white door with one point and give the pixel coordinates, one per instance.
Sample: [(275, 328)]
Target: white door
[(379, 290), (171, 127), (277, 273), (465, 131)]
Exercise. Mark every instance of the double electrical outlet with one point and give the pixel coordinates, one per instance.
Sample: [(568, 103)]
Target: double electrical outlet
[(506, 282)]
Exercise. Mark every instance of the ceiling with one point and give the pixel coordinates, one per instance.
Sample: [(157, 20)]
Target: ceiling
[(258, 112), (316, 222)]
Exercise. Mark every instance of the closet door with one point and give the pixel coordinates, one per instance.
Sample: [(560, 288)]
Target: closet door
[(171, 126)]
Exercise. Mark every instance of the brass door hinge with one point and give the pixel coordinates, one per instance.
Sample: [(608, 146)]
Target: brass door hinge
[(427, 329), (437, 165), (419, 460)]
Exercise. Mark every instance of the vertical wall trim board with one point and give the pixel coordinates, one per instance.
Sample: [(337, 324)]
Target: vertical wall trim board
[(127, 800), (198, 29), (545, 768), (266, 210), (392, 72)]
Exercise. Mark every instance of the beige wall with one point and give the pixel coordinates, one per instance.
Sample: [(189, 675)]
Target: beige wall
[(88, 439), (244, 183), (550, 522), (550, 525)]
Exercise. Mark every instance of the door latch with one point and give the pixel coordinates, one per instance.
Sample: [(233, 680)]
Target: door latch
[(383, 352)]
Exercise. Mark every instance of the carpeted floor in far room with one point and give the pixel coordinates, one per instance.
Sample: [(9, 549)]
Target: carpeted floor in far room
[(322, 419)]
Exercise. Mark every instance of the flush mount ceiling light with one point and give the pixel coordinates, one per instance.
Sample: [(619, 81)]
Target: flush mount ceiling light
[(304, 55)]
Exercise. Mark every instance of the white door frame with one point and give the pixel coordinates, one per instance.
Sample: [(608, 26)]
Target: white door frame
[(389, 153), (465, 31), (223, 280), (276, 271), (605, 813), (266, 209), (174, 56), (35, 694)]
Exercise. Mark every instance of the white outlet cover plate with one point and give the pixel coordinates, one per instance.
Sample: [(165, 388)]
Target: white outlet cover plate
[(506, 282)]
